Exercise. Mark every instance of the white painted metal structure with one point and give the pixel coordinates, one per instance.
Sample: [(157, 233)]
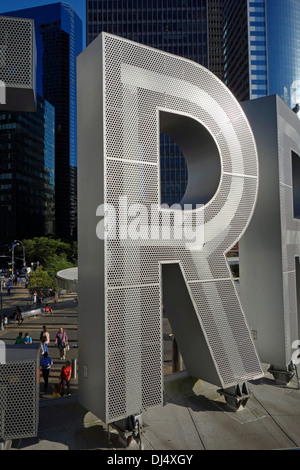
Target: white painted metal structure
[(19, 392), (127, 94), (17, 64), (270, 248)]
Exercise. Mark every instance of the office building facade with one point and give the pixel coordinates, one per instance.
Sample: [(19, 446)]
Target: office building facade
[(180, 28), (261, 44), (58, 31), (27, 181)]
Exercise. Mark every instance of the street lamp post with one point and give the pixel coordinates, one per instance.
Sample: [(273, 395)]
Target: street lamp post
[(14, 244), (19, 242), (13, 259)]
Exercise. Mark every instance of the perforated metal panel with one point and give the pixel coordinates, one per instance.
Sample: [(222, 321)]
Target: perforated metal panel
[(16, 51), (138, 83), (288, 142), (270, 248), (18, 62), (19, 394)]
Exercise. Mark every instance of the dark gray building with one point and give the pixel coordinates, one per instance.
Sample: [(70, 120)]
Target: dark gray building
[(58, 32), (236, 62), (27, 182), (187, 28)]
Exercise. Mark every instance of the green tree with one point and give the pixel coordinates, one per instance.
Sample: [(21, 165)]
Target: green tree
[(57, 263), (42, 248), (53, 256), (39, 280)]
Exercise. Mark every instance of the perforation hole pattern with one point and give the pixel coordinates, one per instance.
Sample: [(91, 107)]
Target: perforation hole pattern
[(16, 52), (19, 395), (288, 140), (138, 82)]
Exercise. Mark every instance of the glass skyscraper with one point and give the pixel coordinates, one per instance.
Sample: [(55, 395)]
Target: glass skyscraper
[(27, 173), (283, 40), (261, 53), (58, 32), (179, 27)]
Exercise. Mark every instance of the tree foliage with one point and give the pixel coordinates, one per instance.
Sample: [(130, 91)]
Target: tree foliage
[(42, 249), (39, 280), (53, 256), (57, 263)]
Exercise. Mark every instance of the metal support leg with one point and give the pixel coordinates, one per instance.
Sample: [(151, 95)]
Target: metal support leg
[(5, 445), (108, 436), (129, 430), (282, 376), (177, 362), (237, 396)]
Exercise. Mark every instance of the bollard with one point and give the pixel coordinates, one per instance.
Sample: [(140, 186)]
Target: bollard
[(1, 324), (74, 368), (2, 353)]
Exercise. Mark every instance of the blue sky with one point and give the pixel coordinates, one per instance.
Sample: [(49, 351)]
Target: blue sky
[(77, 5)]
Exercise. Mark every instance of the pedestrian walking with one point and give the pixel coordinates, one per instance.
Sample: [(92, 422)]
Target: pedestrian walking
[(46, 364), (45, 334), (44, 347), (65, 377), (45, 340), (40, 299), (61, 341), (27, 339)]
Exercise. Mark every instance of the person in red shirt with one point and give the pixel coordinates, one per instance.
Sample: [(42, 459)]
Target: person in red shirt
[(65, 378), (48, 309)]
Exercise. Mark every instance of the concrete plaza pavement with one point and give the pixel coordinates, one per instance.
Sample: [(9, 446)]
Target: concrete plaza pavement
[(64, 315), (194, 416)]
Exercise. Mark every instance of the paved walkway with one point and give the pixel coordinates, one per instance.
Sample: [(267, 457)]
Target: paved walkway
[(18, 296), (64, 315), (194, 416)]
